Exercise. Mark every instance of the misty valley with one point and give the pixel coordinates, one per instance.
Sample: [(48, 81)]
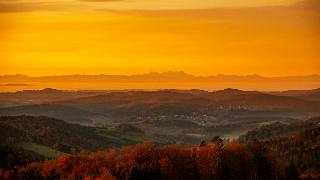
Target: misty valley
[(36, 125), (181, 116)]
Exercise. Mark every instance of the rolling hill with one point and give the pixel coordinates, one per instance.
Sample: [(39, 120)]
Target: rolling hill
[(47, 95), (141, 103), (67, 113), (186, 103), (66, 137), (260, 101), (311, 95), (279, 130), (52, 133)]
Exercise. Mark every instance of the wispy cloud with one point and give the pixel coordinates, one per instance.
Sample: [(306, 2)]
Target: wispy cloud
[(9, 6), (58, 5), (18, 6), (100, 0)]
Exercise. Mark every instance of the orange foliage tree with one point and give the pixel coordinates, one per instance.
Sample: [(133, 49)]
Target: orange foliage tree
[(215, 160)]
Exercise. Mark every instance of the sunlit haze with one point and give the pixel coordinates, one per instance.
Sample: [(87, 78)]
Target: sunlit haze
[(209, 37)]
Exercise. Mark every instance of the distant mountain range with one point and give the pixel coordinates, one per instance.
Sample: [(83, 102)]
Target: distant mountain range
[(170, 76), (155, 80)]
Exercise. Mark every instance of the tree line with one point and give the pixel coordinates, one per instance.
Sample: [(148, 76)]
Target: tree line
[(216, 161)]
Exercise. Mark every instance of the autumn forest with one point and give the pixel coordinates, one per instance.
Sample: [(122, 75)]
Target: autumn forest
[(159, 89)]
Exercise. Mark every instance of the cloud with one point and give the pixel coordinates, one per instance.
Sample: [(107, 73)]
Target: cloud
[(9, 6), (101, 0), (6, 7)]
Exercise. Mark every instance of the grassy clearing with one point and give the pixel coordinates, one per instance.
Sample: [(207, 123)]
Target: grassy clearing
[(42, 150)]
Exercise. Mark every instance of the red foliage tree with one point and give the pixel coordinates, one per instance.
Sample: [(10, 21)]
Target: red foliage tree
[(145, 161), (177, 163)]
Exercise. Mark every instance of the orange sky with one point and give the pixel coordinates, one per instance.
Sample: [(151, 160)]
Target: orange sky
[(266, 37)]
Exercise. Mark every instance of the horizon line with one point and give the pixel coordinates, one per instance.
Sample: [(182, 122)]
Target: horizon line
[(162, 89), (160, 73)]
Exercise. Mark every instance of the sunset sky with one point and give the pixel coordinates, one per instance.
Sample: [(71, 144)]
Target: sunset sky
[(201, 37)]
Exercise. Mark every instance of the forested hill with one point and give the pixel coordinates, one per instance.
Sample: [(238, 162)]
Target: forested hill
[(280, 158), (50, 132), (64, 136), (26, 138), (279, 130), (232, 161), (297, 143), (302, 149)]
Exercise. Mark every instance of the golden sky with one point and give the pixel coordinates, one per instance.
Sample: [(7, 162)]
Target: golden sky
[(201, 37)]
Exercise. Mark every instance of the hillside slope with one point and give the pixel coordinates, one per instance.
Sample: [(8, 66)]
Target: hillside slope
[(67, 113), (173, 102)]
